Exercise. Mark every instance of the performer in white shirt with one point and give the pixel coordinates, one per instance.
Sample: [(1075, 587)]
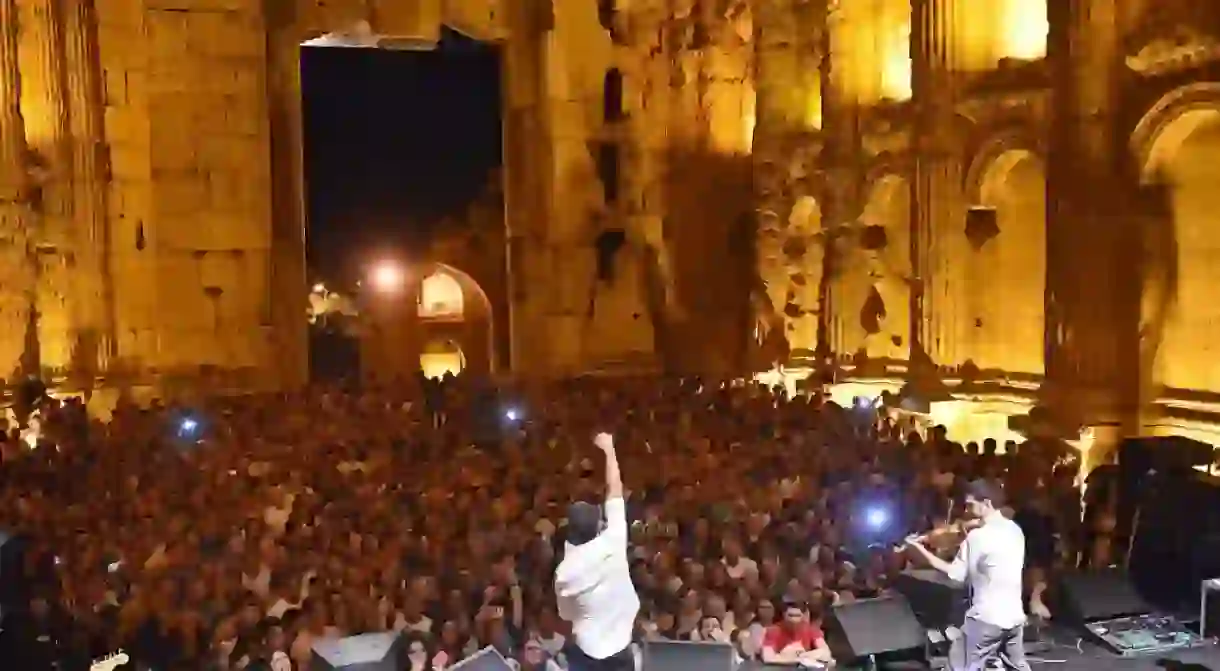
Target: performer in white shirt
[(991, 561), (593, 582)]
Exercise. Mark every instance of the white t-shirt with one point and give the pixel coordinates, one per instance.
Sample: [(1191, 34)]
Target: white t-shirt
[(594, 591), (992, 560)]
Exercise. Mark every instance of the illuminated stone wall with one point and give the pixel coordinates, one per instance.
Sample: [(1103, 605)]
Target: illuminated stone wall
[(734, 161), (989, 190), (789, 187)]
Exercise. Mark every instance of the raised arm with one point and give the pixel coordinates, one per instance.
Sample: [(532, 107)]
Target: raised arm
[(614, 479), (616, 507)]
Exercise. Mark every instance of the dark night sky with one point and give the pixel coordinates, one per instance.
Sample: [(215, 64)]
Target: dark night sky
[(393, 140)]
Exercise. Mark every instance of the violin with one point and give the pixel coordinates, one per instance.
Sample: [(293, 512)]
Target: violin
[(960, 527), (942, 531)]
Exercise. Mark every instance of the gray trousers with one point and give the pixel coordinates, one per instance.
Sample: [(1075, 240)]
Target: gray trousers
[(980, 644)]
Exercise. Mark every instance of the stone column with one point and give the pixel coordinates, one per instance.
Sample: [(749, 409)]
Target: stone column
[(16, 272), (288, 274), (789, 49), (47, 136), (937, 209), (774, 68), (527, 155), (94, 291), (841, 179), (1093, 240)]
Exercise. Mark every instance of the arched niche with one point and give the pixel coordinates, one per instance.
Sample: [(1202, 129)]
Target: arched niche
[(439, 357), (441, 297), (802, 278), (882, 272), (1178, 143), (452, 306), (1006, 268)]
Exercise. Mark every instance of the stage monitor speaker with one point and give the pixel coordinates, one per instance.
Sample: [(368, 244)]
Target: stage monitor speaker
[(1163, 454), (487, 659), (366, 652), (13, 587), (1098, 595), (689, 656), (1145, 462), (870, 627), (1176, 542), (937, 601)]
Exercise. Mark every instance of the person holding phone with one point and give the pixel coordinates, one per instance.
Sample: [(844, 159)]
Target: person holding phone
[(593, 585)]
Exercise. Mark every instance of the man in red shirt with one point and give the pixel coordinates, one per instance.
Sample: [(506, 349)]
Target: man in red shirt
[(795, 640)]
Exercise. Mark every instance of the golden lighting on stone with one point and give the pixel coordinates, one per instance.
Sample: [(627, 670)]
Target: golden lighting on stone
[(876, 46), (440, 295), (439, 358), (896, 63), (813, 111), (747, 128), (1024, 26), (39, 123)]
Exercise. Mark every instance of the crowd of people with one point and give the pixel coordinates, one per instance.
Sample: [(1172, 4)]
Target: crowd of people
[(238, 532)]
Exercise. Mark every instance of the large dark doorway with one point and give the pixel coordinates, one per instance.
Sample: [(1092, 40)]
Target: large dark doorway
[(398, 142)]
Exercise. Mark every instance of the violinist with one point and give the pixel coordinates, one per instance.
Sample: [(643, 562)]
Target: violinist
[(990, 561), (944, 538)]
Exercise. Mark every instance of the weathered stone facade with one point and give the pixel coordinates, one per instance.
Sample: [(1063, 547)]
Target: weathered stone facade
[(986, 212), (879, 181), (468, 258)]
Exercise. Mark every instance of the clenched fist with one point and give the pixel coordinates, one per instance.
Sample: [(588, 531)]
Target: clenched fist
[(604, 442)]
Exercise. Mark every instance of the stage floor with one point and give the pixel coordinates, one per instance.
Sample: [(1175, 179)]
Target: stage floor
[(1065, 651), (1088, 658)]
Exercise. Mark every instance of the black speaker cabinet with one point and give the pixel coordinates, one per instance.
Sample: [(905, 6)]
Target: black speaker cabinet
[(1163, 454), (1176, 543), (873, 627), (366, 652), (937, 601), (689, 656), (1098, 595)]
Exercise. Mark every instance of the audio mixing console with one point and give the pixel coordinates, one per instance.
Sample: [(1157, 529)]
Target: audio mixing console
[(1143, 634)]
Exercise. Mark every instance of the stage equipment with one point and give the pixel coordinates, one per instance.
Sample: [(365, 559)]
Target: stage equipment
[(366, 652), (1143, 635), (1105, 606), (689, 656), (1175, 544), (1092, 596), (1144, 461), (937, 602), (863, 630)]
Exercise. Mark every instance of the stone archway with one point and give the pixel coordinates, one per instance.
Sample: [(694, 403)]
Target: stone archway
[(1006, 268), (440, 357), (875, 277), (441, 297), (404, 323), (451, 307), (799, 277), (1178, 144), (187, 231)]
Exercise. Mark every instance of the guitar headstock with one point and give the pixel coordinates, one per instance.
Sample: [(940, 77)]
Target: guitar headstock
[(110, 662)]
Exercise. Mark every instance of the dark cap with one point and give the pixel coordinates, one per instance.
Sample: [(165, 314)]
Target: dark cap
[(584, 522), (982, 489)]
